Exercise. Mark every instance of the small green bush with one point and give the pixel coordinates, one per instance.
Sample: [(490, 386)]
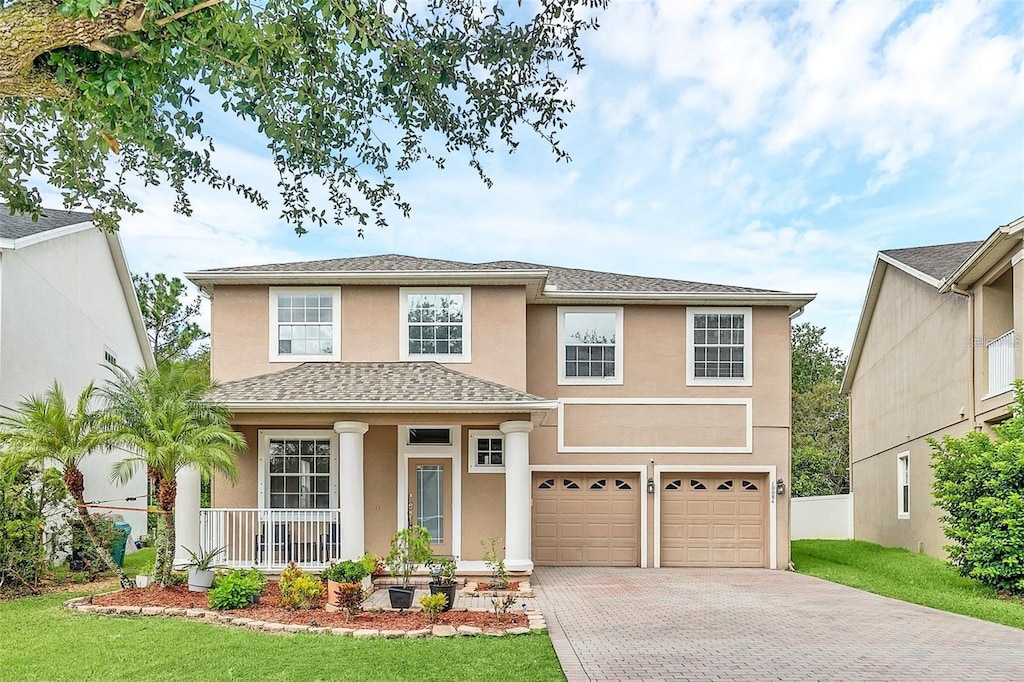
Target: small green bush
[(345, 572), (433, 604), (979, 484), (237, 589)]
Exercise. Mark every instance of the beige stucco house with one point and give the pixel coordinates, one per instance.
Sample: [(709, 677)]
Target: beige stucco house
[(67, 306), (587, 418), (936, 351)]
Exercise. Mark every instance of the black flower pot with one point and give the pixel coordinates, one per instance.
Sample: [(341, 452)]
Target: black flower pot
[(401, 596), (447, 590)]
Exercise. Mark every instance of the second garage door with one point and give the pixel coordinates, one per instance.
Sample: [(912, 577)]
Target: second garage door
[(586, 519), (714, 520)]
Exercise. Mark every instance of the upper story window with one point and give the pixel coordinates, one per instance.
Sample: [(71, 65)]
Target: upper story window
[(719, 347), (435, 324), (590, 345), (486, 451), (305, 324)]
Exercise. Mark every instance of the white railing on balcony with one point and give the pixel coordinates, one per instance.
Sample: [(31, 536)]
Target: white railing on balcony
[(269, 538), (1000, 364)]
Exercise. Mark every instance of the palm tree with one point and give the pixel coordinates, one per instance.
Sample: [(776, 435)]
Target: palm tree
[(46, 430), (162, 416)]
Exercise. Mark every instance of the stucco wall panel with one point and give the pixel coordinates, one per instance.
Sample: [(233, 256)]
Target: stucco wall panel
[(899, 391), (659, 425)]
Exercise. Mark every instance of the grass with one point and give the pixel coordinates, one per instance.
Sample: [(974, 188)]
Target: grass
[(897, 573), (44, 641), (138, 560)]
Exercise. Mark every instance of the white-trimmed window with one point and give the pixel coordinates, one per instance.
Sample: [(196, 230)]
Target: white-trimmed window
[(435, 324), (589, 345), (305, 324), (903, 485), (486, 452), (719, 346), (298, 469)]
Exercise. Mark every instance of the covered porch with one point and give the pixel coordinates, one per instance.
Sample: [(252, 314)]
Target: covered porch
[(317, 495)]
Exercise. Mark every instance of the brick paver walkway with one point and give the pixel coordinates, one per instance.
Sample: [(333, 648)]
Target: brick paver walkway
[(746, 624)]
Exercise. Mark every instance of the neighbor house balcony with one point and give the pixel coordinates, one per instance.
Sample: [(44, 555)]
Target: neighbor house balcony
[(1000, 364), (269, 538)]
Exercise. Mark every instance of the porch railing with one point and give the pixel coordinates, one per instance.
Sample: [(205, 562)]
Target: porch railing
[(1000, 364), (269, 538)]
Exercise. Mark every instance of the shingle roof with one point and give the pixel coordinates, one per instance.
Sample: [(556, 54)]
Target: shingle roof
[(19, 226), (563, 279), (939, 261), (360, 382)]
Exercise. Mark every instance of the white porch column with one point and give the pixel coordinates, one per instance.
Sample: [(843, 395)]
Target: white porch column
[(186, 515), (518, 515), (350, 455)]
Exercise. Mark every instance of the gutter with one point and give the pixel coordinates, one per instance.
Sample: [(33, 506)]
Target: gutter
[(972, 412)]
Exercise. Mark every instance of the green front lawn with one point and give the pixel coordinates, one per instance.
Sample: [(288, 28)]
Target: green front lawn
[(43, 641), (897, 573)]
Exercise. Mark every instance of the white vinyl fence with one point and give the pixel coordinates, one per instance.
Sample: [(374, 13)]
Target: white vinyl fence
[(828, 517)]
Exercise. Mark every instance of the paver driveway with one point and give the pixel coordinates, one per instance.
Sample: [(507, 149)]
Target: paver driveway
[(747, 624)]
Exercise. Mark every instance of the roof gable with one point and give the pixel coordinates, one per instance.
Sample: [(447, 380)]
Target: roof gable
[(21, 226), (937, 262)]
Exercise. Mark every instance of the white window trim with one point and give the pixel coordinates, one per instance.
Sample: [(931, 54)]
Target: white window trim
[(619, 340), (335, 293), (452, 452), (474, 436), (266, 435), (902, 513), (748, 344), (403, 325)]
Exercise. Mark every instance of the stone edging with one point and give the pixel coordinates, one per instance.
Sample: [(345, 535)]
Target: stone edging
[(535, 621)]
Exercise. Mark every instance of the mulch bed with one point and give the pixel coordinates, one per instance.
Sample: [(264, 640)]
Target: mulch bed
[(270, 610)]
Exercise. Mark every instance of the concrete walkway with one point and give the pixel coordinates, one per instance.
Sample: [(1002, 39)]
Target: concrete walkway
[(746, 624)]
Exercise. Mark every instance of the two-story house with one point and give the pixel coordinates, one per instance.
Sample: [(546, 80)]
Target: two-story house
[(936, 352), (587, 418), (67, 307)]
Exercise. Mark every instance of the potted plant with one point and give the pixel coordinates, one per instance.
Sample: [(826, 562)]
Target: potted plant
[(201, 568), (345, 586), (442, 574), (410, 547)]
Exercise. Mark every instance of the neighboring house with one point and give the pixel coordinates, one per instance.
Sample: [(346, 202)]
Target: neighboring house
[(587, 418), (67, 306), (937, 348)]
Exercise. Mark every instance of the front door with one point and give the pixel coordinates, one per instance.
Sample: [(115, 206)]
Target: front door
[(430, 500)]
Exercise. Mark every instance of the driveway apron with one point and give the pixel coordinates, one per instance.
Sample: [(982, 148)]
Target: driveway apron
[(751, 624)]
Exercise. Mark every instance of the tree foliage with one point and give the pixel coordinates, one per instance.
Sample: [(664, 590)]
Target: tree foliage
[(30, 497), (979, 486), (163, 418), (95, 94), (48, 430), (169, 314), (821, 424)]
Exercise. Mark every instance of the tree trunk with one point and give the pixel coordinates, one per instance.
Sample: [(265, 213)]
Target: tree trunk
[(75, 483), (31, 28), (167, 493)]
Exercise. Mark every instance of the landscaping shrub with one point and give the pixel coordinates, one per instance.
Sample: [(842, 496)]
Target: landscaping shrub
[(237, 589), (979, 484), (27, 498), (300, 590)]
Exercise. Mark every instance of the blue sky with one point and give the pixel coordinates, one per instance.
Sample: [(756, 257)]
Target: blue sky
[(773, 145)]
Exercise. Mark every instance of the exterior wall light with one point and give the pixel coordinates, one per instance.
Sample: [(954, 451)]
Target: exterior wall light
[(780, 487), (650, 486)]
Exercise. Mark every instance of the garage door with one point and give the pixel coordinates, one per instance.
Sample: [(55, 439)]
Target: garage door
[(586, 519), (714, 520)]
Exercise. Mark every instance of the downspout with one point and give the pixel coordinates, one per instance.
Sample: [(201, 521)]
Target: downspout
[(972, 352)]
